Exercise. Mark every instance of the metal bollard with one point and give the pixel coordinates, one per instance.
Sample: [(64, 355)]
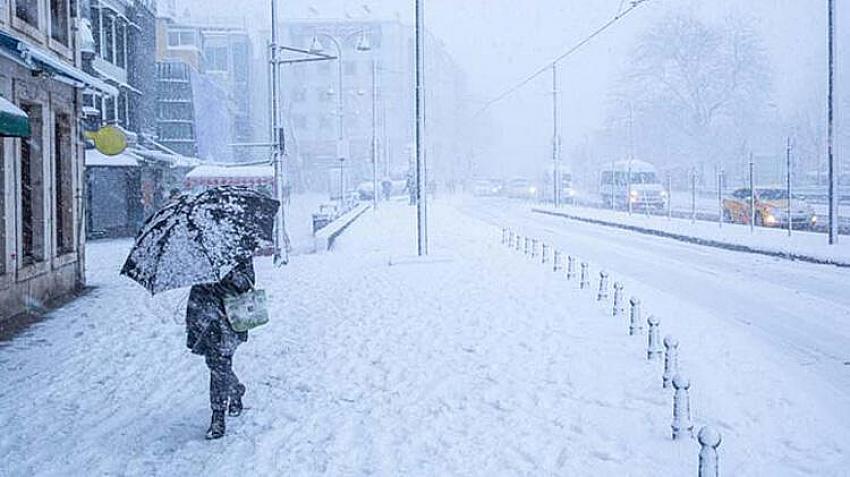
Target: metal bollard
[(603, 287), (634, 317), (556, 261), (571, 268), (518, 243), (653, 347), (534, 248), (584, 281), (504, 235), (618, 299), (527, 245), (545, 254), (682, 425), (671, 360), (709, 441), (511, 239)]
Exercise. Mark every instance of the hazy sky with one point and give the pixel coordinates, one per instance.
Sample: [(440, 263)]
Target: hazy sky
[(499, 42)]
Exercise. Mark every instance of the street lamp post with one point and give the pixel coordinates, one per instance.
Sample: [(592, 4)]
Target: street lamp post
[(342, 150), (374, 134), (277, 140), (421, 169), (556, 140), (833, 172)]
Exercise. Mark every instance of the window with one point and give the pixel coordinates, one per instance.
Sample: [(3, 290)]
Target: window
[(216, 58), (181, 38), (63, 172), (59, 21), (299, 121), (95, 27), (109, 109), (108, 38), (120, 44), (32, 190), (122, 110), (27, 10)]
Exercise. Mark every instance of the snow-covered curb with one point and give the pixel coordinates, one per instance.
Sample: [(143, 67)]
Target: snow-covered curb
[(324, 239), (709, 235)]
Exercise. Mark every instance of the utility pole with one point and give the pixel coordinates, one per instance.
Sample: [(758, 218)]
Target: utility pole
[(556, 140), (790, 208), (421, 169), (375, 133), (281, 255), (833, 167)]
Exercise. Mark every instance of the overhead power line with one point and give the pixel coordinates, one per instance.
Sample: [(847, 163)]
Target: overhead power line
[(634, 5)]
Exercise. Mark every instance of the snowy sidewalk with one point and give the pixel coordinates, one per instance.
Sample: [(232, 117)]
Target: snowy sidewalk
[(476, 362)]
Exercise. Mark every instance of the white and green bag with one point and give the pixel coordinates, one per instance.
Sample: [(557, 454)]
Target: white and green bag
[(247, 310)]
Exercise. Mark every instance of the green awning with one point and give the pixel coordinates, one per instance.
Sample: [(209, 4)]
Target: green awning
[(13, 121)]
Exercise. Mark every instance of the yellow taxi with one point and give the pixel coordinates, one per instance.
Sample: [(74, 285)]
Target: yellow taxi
[(771, 209)]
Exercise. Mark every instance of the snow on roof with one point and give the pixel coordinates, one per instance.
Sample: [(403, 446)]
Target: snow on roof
[(207, 171), (95, 158)]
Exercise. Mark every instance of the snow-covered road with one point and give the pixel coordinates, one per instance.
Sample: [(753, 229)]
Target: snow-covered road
[(475, 362), (802, 310)]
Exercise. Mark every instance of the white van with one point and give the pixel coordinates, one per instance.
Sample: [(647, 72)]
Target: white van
[(632, 182)]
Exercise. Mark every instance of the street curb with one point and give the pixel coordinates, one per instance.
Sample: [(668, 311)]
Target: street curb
[(697, 241), (324, 239)]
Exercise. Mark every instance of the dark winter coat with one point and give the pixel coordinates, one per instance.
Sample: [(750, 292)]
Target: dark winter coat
[(207, 328)]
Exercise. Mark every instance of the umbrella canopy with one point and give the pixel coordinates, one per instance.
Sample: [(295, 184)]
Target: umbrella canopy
[(201, 238), (14, 122)]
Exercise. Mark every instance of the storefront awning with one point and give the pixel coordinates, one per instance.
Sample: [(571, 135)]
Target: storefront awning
[(38, 59), (98, 159), (14, 122)]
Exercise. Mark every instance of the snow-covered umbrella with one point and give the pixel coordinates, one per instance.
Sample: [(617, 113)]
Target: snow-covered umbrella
[(200, 238)]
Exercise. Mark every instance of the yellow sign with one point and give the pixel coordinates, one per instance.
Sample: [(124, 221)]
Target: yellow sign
[(108, 140)]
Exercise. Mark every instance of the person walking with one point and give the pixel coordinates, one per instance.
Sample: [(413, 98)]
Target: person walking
[(210, 334)]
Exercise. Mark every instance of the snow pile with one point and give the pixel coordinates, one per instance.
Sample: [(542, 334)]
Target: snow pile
[(803, 245)]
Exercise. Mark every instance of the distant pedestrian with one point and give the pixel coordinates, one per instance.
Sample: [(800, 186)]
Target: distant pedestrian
[(210, 334), (387, 189)]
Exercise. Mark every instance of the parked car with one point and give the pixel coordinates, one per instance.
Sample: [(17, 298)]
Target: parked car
[(520, 188), (486, 188), (632, 183), (771, 209)]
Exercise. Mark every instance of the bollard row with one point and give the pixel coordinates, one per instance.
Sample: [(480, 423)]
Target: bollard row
[(657, 350)]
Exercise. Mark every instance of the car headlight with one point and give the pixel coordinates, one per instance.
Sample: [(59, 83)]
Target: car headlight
[(532, 190), (814, 219), (571, 193)]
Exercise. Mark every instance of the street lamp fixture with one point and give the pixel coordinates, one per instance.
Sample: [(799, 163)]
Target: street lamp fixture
[(316, 46)]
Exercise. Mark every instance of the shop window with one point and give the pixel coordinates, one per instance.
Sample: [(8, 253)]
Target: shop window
[(59, 21), (63, 178), (32, 189), (27, 10)]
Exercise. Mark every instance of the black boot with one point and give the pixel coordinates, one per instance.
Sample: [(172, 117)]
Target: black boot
[(216, 430), (235, 408)]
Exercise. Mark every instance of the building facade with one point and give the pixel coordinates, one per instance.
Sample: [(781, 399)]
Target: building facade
[(312, 102), (204, 79), (42, 231)]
